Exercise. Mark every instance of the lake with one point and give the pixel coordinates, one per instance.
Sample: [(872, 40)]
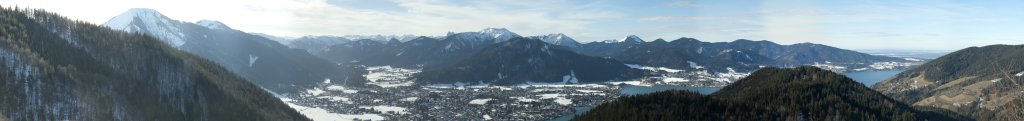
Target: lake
[(867, 78)]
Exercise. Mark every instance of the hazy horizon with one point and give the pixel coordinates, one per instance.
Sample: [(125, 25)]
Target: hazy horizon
[(855, 25)]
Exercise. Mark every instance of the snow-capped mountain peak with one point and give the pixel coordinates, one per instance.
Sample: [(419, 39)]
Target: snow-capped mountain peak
[(495, 31), (609, 41), (559, 36), (499, 34), (216, 25), (482, 37), (631, 39), (122, 21), (558, 39), (149, 21)]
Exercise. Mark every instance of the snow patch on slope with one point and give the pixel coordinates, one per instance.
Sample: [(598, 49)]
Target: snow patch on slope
[(252, 59), (570, 78), (215, 25), (694, 65)]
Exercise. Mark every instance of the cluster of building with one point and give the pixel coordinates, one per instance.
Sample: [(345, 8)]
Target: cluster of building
[(525, 102)]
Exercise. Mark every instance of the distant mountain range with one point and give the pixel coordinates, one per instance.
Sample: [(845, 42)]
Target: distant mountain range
[(280, 68), (54, 68), (741, 55), (520, 60), (682, 54), (258, 59), (418, 52), (318, 44), (982, 82), (803, 93), (315, 44)]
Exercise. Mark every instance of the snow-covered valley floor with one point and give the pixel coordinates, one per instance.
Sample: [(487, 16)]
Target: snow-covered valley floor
[(541, 102)]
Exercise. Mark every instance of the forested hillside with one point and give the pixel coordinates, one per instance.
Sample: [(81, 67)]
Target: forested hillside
[(983, 82), (54, 68), (804, 93)]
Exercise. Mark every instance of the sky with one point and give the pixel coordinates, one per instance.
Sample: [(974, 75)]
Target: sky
[(849, 24)]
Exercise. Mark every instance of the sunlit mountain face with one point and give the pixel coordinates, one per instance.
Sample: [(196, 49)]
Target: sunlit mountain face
[(327, 60)]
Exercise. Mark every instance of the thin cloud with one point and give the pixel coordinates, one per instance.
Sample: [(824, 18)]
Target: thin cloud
[(934, 25)]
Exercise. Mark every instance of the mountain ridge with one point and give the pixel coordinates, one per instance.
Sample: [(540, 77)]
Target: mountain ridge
[(802, 93), (524, 60), (263, 61), (60, 69), (982, 82)]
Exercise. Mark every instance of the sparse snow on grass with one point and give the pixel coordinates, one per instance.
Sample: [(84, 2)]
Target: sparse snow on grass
[(387, 76), (730, 75), (588, 91), (888, 65), (669, 79), (829, 66), (524, 99), (386, 109), (531, 84), (480, 101), (912, 59), (315, 91), (634, 83), (559, 98), (563, 101), (340, 88), (318, 114), (410, 99), (335, 98), (542, 90), (670, 70)]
